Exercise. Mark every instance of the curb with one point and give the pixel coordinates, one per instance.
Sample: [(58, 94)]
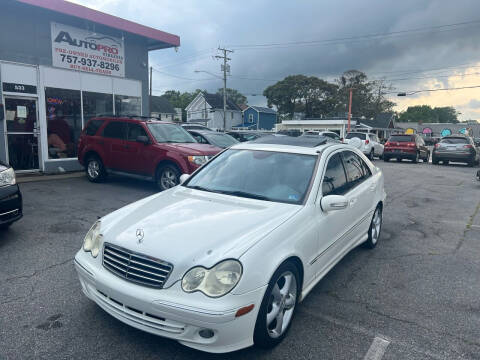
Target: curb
[(36, 177)]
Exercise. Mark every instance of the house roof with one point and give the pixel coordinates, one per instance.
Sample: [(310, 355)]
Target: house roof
[(157, 39), (265, 110), (381, 121), (161, 105), (216, 102)]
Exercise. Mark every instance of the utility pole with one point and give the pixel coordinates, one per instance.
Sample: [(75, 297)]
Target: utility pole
[(349, 110), (225, 59), (150, 97)]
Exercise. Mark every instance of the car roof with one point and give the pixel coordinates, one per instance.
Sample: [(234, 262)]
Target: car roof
[(291, 144), (145, 119), (206, 132)]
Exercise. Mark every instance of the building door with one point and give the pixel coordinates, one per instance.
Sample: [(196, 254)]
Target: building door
[(22, 133)]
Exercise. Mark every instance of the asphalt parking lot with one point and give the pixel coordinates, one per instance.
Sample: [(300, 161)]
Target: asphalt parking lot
[(419, 289)]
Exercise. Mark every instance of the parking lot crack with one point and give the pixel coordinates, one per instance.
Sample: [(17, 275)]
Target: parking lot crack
[(468, 227), (36, 272)]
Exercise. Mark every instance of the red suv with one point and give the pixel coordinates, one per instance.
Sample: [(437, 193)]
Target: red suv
[(140, 147), (406, 146)]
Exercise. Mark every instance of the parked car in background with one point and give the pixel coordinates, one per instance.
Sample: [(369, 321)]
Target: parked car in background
[(329, 134), (457, 148), (150, 149), (477, 142), (214, 138), (11, 205), (243, 136), (370, 145), (478, 175), (406, 146), (194, 126), (429, 140), (222, 262)]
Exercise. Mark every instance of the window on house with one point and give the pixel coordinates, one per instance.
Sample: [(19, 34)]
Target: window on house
[(250, 118)]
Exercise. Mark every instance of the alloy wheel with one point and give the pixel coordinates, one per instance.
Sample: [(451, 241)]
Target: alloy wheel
[(376, 226), (281, 304), (168, 179), (93, 169)]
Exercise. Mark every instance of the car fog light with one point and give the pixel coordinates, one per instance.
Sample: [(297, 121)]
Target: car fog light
[(206, 333)]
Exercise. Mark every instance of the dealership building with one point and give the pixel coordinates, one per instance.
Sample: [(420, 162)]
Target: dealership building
[(60, 65)]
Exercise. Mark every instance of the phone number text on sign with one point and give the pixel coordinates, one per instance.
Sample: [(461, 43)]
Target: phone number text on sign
[(82, 63)]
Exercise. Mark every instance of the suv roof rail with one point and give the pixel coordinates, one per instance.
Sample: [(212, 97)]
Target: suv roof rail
[(128, 116)]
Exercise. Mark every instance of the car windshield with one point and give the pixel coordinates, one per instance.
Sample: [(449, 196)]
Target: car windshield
[(401, 138), (263, 175), (220, 140), (357, 135), (455, 140), (170, 133)]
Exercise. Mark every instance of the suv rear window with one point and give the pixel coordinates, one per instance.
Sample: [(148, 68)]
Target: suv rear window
[(455, 140), (361, 136), (93, 126), (401, 138)]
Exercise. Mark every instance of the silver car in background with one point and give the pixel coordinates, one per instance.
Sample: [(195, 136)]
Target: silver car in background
[(457, 148)]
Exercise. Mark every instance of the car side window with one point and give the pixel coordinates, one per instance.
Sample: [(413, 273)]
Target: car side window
[(357, 170), (134, 131), (334, 181), (115, 130), (93, 127), (199, 138)]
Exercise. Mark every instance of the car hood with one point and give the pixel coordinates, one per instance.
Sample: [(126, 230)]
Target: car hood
[(194, 148), (188, 227)]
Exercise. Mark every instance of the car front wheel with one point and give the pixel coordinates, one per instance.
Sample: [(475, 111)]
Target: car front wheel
[(167, 177), (375, 229), (95, 169), (278, 307)]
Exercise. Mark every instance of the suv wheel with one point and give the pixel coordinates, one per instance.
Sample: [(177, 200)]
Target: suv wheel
[(371, 155), (95, 169), (415, 159), (434, 160), (278, 307), (167, 177)]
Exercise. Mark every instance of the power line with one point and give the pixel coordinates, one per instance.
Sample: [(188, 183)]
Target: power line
[(404, 93), (441, 28)]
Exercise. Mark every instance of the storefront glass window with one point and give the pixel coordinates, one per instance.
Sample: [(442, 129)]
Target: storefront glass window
[(64, 122), (96, 104), (127, 105)]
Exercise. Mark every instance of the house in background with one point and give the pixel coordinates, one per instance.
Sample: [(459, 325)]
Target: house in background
[(207, 109), (383, 125), (258, 118), (162, 109)]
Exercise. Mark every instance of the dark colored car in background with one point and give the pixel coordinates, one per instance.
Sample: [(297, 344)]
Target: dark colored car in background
[(11, 205), (457, 148), (194, 126), (140, 147), (214, 138), (406, 146), (243, 136)]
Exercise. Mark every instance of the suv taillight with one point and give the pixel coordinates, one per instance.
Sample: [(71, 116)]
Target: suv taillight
[(469, 146), (411, 144), (387, 143), (437, 145), (367, 141)]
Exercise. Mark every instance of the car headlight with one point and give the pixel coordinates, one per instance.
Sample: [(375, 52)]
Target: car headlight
[(92, 240), (198, 160), (7, 177), (214, 282)]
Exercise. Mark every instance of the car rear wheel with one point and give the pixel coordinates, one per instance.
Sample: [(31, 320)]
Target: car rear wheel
[(471, 162), (399, 159), (446, 162), (434, 160), (386, 158), (371, 155), (415, 159), (375, 229), (95, 169), (278, 307), (167, 177)]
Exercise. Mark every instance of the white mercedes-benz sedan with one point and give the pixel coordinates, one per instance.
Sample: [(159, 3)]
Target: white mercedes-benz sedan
[(221, 262)]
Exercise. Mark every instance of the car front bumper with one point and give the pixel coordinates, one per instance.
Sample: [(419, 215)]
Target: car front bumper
[(11, 208), (170, 312)]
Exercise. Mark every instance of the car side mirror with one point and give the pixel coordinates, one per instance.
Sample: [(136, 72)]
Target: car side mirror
[(333, 202), (184, 177), (143, 139)]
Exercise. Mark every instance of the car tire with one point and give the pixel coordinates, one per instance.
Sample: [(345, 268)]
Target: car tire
[(375, 228), (386, 158), (416, 158), (434, 161), (371, 155), (95, 169), (167, 176), (5, 226), (399, 159), (427, 157), (446, 162), (280, 300)]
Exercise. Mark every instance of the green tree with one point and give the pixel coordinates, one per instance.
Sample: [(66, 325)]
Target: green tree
[(234, 95), (368, 97), (181, 100), (300, 93), (427, 114)]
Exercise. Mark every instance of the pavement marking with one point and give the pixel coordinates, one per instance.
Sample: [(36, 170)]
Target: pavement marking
[(377, 349)]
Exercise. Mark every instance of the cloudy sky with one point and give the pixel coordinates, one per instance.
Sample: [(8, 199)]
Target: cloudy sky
[(414, 44)]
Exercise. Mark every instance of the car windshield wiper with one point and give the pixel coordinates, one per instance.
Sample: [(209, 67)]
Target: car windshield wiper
[(243, 194)]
